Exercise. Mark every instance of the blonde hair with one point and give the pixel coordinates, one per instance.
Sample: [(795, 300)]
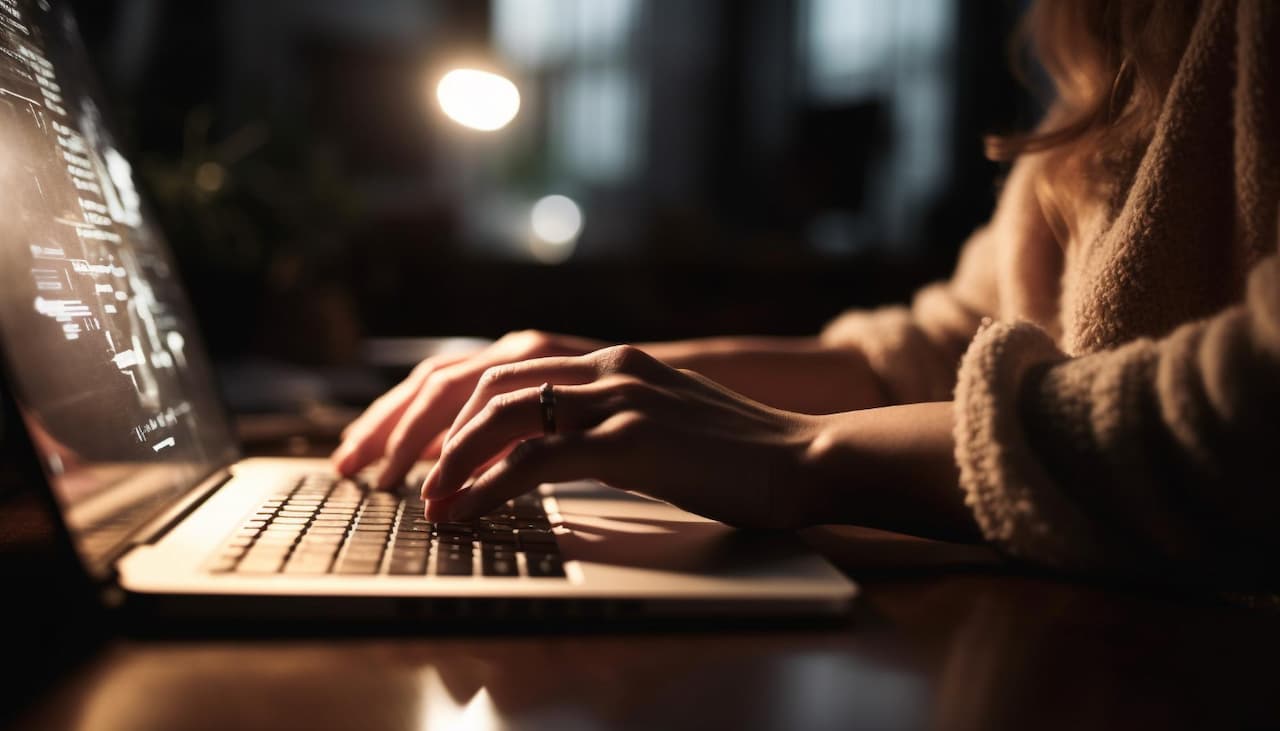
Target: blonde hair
[(1111, 63)]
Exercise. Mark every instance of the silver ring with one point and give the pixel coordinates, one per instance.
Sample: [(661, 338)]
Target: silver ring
[(547, 402)]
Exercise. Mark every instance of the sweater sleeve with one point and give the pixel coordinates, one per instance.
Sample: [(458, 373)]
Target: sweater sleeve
[(916, 349), (1156, 458)]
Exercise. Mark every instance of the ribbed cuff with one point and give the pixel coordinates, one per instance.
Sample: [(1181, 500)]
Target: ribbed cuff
[(1014, 501)]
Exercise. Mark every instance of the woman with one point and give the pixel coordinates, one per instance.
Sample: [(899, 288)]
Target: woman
[(1097, 387)]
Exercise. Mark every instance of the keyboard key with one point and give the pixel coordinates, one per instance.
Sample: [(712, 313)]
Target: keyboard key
[(407, 566), (356, 567), (315, 552), (365, 546), (403, 551), (397, 559), (308, 564), (499, 564), (374, 525), (325, 530), (260, 565), (312, 547), (222, 565), (455, 528), (454, 564), (544, 565), (364, 550), (506, 538)]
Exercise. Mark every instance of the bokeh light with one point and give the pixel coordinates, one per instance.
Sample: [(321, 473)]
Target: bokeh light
[(478, 99), (556, 219), (556, 222)]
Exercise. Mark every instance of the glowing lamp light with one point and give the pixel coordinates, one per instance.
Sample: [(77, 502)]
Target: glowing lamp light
[(478, 99)]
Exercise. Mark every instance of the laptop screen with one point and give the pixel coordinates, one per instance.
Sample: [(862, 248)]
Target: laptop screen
[(103, 357)]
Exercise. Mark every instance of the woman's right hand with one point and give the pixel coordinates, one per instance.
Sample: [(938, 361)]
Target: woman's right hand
[(409, 422)]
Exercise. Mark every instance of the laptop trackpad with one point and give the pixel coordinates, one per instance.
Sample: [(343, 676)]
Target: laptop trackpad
[(619, 529)]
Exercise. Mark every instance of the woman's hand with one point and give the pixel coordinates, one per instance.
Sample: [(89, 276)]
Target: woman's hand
[(408, 422), (632, 422)]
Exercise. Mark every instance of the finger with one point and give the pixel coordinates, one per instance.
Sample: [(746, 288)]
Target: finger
[(515, 376), (556, 458), (377, 410), (398, 398), (422, 421), (438, 510), (365, 439), (431, 412), (617, 360), (507, 419)]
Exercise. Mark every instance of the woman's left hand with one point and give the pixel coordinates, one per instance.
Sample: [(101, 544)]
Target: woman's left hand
[(630, 421)]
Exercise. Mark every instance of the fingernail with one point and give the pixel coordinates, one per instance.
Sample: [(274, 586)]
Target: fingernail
[(436, 490), (429, 482)]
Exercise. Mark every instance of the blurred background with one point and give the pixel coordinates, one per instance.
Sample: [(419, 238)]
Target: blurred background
[(673, 168)]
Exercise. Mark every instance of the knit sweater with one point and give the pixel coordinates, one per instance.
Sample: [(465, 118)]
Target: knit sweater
[(1117, 393)]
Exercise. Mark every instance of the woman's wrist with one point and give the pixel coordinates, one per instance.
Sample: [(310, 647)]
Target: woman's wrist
[(799, 374), (892, 468)]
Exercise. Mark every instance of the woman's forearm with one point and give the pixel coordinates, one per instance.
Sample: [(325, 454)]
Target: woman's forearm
[(795, 374), (892, 468)]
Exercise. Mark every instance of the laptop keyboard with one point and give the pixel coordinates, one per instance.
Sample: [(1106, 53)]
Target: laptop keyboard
[(324, 525)]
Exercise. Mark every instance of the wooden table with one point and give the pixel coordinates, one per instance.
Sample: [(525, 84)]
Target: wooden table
[(939, 639)]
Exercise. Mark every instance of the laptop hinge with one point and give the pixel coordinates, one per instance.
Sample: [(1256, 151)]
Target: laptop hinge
[(156, 529)]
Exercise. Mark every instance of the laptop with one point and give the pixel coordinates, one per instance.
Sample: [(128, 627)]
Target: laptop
[(115, 399)]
